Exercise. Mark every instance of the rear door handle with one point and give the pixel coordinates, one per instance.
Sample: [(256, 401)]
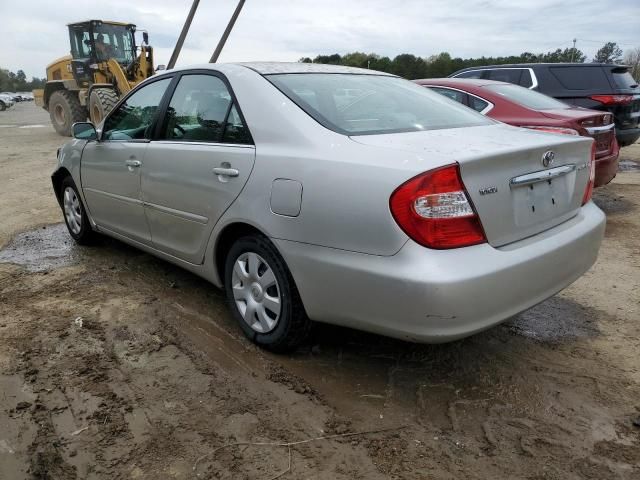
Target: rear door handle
[(133, 163), (226, 172)]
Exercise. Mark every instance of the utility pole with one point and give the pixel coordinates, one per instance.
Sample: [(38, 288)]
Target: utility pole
[(183, 35), (225, 35), (573, 52)]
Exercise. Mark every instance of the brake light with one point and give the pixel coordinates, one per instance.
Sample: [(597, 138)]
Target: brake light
[(561, 130), (588, 191), (434, 210), (613, 99)]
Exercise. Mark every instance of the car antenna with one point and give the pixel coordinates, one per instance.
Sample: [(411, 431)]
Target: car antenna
[(225, 35), (183, 35)]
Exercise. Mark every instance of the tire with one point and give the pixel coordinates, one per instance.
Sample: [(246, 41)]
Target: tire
[(253, 257), (101, 102), (65, 110), (3, 107), (75, 215)]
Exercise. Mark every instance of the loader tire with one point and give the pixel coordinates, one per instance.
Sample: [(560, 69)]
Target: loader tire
[(101, 102), (65, 110)]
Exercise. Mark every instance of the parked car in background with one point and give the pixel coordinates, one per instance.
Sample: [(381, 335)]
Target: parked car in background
[(597, 86), (336, 194), (6, 101), (14, 96), (526, 108)]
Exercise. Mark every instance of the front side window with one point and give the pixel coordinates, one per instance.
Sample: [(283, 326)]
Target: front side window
[(527, 98), (376, 104), (471, 74), (202, 110), (133, 118)]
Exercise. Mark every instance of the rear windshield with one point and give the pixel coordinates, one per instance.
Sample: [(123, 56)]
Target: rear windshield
[(623, 78), (526, 98), (354, 104)]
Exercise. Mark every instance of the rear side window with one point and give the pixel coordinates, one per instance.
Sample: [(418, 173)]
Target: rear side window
[(581, 78), (477, 104), (452, 94), (202, 110), (509, 75), (525, 79), (622, 78)]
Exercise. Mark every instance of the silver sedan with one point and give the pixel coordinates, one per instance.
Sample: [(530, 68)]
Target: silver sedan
[(334, 194)]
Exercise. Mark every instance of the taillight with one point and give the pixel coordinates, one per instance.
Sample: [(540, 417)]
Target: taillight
[(435, 211), (588, 191), (613, 99), (564, 131)]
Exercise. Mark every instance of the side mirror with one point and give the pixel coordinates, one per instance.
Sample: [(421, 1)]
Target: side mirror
[(161, 67), (84, 131), (145, 37)]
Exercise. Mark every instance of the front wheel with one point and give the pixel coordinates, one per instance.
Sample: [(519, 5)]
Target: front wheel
[(75, 216), (263, 296)]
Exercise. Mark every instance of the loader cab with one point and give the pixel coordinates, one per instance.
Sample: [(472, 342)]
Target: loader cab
[(95, 41)]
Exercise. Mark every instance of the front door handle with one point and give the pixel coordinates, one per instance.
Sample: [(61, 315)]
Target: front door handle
[(226, 172), (133, 163)]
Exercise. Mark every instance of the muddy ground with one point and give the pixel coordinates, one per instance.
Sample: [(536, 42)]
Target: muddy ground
[(114, 364)]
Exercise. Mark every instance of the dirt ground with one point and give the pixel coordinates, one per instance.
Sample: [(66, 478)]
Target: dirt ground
[(114, 364)]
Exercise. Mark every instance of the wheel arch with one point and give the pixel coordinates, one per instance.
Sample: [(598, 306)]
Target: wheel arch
[(56, 179), (225, 239)]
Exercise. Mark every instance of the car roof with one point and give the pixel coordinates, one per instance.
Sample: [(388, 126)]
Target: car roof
[(548, 64), (270, 68), (468, 82)]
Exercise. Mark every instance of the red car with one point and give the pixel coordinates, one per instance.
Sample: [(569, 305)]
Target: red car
[(526, 108)]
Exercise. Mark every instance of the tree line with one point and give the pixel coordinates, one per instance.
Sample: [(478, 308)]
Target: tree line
[(17, 82), (411, 66)]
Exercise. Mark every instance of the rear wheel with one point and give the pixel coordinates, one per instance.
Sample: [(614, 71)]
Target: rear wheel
[(75, 216), (65, 110), (3, 107), (101, 102), (263, 296)]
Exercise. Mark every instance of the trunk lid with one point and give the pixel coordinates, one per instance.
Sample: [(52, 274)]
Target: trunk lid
[(595, 124), (515, 195)]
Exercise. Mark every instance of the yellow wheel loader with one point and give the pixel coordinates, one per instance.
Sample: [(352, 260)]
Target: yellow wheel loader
[(104, 64)]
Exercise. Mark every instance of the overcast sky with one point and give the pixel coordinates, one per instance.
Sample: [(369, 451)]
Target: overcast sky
[(285, 30)]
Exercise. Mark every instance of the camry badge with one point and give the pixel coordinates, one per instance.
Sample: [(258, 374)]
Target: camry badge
[(488, 190), (547, 158)]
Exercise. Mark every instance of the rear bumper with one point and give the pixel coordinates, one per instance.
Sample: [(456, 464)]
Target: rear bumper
[(436, 296), (606, 168), (627, 136)]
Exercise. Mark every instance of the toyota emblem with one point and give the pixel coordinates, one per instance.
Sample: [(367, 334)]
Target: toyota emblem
[(547, 158)]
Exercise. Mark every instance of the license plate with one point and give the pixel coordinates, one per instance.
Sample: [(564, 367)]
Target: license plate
[(541, 201)]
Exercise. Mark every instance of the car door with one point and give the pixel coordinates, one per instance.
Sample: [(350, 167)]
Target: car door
[(110, 169), (196, 165)]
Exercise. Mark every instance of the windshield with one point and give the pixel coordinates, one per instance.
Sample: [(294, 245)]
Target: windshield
[(114, 41), (354, 104), (109, 41), (527, 98)]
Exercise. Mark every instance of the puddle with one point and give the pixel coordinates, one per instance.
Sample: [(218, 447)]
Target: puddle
[(43, 249), (628, 166), (557, 320)]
